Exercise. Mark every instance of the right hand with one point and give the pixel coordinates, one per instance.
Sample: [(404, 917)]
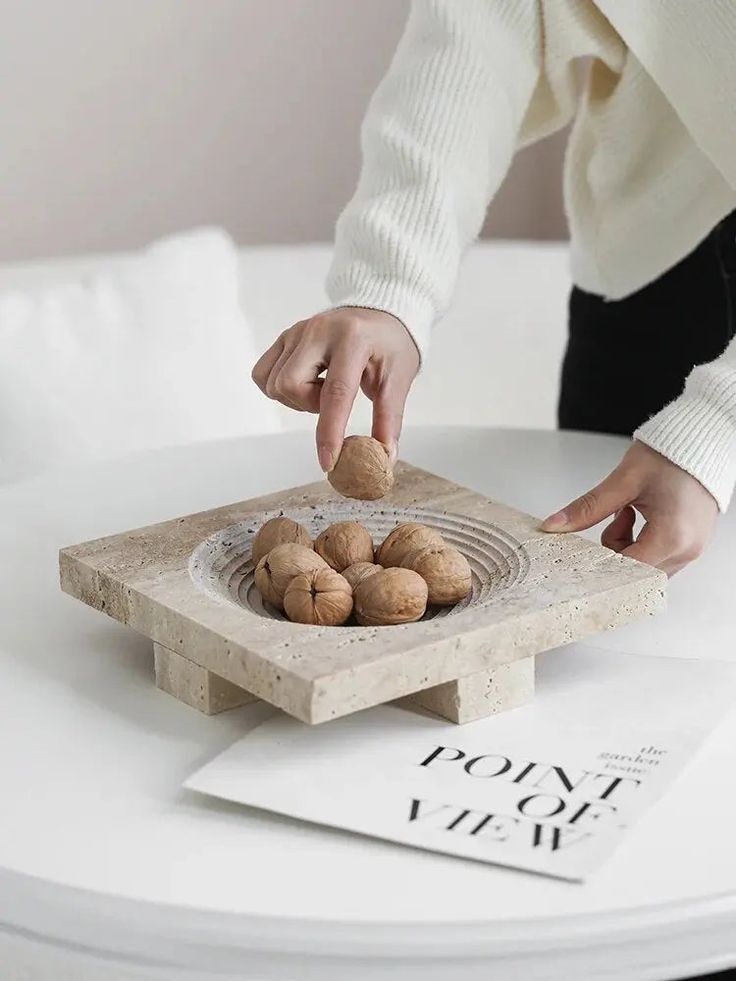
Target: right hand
[(358, 348)]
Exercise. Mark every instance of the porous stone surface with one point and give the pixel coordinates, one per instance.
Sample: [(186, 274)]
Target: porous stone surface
[(479, 695), (187, 584), (194, 685)]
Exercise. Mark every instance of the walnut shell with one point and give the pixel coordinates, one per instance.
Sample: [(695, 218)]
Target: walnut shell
[(344, 544), (276, 570), (445, 571), (322, 597), (363, 469), (389, 597), (278, 531), (404, 539), (355, 574)]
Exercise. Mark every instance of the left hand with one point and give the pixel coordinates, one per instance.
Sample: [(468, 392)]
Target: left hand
[(680, 514)]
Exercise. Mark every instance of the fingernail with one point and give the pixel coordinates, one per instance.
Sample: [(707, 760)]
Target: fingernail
[(555, 522), (326, 458)]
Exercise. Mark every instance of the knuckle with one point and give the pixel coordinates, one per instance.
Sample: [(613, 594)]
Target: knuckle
[(314, 326), (295, 333), (587, 505), (290, 338), (337, 389), (335, 326), (352, 330), (287, 384)]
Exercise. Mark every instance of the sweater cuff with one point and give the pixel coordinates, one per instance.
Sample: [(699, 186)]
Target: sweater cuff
[(413, 309), (698, 435)]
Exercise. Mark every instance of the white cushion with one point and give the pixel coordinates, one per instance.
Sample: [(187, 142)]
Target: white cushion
[(142, 351)]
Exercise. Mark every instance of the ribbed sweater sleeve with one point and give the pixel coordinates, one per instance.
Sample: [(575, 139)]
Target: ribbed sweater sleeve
[(698, 430), (437, 141)]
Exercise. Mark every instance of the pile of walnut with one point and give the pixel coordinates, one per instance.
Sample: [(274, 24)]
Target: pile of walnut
[(342, 574)]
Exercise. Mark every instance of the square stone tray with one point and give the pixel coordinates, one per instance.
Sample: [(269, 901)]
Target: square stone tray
[(188, 585)]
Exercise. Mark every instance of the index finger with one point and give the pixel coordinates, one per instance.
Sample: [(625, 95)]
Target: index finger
[(339, 389)]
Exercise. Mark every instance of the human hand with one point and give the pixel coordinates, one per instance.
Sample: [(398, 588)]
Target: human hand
[(357, 348), (680, 514)]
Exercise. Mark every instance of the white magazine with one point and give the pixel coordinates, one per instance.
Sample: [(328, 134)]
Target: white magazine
[(551, 787)]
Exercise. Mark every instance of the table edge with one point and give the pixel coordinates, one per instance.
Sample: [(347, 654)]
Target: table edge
[(69, 914)]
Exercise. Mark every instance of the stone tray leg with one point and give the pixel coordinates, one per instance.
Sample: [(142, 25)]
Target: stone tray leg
[(481, 694), (195, 685)]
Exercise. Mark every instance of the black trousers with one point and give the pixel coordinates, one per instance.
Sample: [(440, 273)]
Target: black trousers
[(626, 359)]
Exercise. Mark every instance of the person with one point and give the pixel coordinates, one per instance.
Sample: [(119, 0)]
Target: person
[(650, 193)]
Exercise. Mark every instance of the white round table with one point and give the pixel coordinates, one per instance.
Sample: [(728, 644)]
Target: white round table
[(109, 869)]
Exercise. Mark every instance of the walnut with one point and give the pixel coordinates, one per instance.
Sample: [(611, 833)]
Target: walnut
[(363, 469), (403, 539), (278, 531), (389, 597), (445, 571), (355, 574), (276, 570), (322, 597), (344, 544)]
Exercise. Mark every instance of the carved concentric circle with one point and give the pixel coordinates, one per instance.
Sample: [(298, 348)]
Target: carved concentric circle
[(221, 565)]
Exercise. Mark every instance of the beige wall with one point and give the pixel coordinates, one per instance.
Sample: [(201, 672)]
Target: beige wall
[(123, 119)]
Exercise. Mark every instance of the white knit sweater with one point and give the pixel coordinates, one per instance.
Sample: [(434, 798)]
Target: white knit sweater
[(650, 169)]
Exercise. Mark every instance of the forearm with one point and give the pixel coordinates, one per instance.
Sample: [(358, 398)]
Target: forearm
[(437, 141), (698, 430)]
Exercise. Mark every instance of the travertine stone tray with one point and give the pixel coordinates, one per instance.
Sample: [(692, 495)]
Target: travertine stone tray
[(188, 585)]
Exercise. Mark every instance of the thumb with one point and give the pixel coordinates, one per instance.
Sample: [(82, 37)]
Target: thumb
[(388, 415), (599, 503)]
